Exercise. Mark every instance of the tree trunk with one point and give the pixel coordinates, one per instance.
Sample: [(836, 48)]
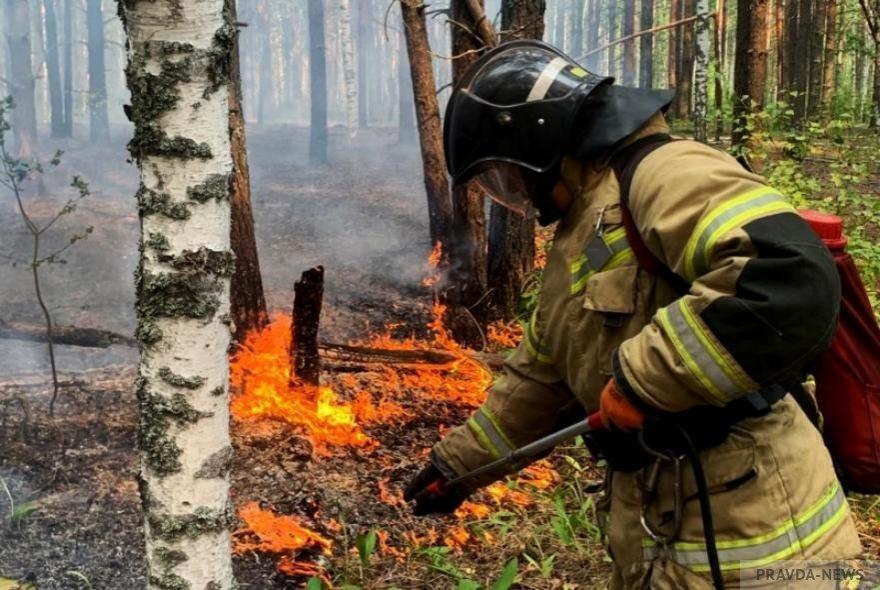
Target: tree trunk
[(68, 68), (719, 41), (349, 75), (673, 54), (629, 47), (817, 52), (801, 74), (595, 10), (406, 115), (308, 298), (686, 67), (828, 76), (317, 83), (511, 243), (267, 77), (646, 45), (789, 52), (465, 296), (182, 147), (364, 38), (99, 123), (428, 117), (750, 68), (781, 49), (53, 70), (701, 72), (21, 78), (248, 303), (579, 19), (875, 94), (612, 36)]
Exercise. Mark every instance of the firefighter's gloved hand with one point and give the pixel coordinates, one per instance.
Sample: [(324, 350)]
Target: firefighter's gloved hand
[(431, 493), (618, 411)]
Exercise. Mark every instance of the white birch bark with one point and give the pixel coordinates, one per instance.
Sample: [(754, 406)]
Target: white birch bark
[(179, 56), (349, 66), (701, 71)]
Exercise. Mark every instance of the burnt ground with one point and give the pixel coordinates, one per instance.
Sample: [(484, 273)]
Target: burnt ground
[(75, 513)]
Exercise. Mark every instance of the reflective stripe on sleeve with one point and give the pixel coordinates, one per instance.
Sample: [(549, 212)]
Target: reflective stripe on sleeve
[(729, 215), (582, 268), (489, 432), (793, 537), (537, 347), (703, 356)]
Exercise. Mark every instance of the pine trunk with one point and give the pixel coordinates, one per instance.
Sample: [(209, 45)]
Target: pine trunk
[(875, 94), (719, 41), (247, 301), (613, 35), (781, 49), (428, 117), (511, 243), (364, 38), (53, 70), (317, 84), (349, 74), (466, 315), (701, 72), (789, 52), (267, 79), (629, 47), (646, 45), (801, 74), (21, 78), (99, 122), (68, 68), (686, 64), (594, 11), (817, 53), (673, 54), (828, 76), (179, 60), (750, 68)]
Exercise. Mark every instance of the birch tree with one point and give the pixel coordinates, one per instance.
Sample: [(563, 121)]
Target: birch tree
[(349, 74), (701, 71), (178, 74)]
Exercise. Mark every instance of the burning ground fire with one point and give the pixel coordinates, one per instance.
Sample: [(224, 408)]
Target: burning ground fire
[(334, 422)]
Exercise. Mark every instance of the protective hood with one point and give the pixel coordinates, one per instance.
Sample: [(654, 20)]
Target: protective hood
[(612, 114)]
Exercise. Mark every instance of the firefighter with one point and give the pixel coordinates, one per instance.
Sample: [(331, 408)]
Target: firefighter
[(538, 133)]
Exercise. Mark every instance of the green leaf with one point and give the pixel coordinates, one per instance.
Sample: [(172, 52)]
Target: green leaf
[(508, 576), (315, 583), (366, 546), (467, 585)]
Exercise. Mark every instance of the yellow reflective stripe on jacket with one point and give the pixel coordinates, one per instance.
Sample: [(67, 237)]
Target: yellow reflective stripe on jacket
[(536, 346), (782, 543), (485, 426), (731, 214), (581, 269), (708, 363)]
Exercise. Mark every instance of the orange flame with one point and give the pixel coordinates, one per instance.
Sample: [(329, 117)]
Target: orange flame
[(274, 534)]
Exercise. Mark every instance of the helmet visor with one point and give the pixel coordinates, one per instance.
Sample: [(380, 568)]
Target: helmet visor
[(506, 184)]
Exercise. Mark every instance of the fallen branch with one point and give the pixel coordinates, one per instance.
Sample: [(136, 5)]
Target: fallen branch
[(66, 335)]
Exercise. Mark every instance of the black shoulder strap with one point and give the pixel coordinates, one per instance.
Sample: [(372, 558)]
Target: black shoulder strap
[(624, 163)]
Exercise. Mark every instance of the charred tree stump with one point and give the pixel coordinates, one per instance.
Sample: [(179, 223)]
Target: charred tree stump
[(308, 293)]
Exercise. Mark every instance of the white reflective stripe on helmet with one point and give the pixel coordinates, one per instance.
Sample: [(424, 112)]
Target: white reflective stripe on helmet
[(545, 80)]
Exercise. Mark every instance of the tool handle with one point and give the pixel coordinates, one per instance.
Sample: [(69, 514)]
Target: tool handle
[(592, 422)]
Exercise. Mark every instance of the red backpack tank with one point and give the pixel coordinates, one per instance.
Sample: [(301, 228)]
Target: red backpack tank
[(848, 373)]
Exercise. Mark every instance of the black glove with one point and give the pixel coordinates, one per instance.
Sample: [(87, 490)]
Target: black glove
[(432, 494)]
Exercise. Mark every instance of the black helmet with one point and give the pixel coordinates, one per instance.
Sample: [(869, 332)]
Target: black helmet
[(520, 108)]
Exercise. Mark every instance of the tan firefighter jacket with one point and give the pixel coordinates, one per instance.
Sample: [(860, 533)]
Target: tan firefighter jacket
[(764, 294)]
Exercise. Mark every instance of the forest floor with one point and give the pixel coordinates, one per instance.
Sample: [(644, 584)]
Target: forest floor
[(328, 504)]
